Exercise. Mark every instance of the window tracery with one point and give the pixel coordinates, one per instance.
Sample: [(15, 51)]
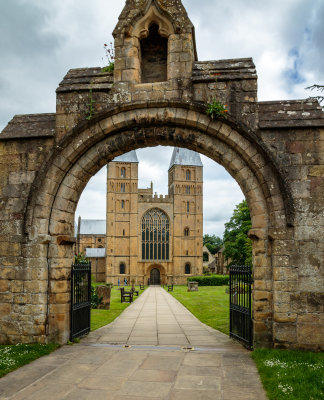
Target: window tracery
[(155, 235)]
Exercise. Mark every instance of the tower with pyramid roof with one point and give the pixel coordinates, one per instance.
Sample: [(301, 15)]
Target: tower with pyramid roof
[(186, 188)]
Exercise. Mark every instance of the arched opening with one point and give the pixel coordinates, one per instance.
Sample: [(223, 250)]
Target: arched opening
[(155, 277), (123, 172), (154, 56), (122, 269), (205, 257), (187, 269), (63, 177), (186, 232)]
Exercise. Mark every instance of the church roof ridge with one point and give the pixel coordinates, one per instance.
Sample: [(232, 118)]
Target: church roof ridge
[(186, 157), (92, 227)]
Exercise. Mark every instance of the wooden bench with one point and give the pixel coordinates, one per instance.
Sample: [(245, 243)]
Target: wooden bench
[(126, 297), (134, 291), (170, 288), (142, 287)]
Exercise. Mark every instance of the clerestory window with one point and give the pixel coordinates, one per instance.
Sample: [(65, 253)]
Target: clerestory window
[(155, 235)]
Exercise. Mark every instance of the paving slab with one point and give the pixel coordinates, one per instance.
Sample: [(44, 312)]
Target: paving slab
[(164, 353)]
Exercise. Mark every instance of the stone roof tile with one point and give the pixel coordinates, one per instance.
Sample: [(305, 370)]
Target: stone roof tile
[(223, 70), (30, 126), (86, 79), (290, 113)]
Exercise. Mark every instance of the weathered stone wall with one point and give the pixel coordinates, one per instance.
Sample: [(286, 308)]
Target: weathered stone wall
[(298, 263), (23, 281)]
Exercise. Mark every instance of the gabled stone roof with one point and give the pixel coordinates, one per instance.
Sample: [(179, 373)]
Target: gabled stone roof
[(290, 113), (185, 157), (223, 70), (130, 157), (30, 126), (86, 79)]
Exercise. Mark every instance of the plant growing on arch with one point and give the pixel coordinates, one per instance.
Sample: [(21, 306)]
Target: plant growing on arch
[(216, 109), (110, 56)]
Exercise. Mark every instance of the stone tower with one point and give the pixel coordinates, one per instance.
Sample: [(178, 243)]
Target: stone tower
[(154, 44), (122, 196), (186, 188)]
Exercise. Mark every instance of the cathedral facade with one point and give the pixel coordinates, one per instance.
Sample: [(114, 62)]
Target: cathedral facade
[(154, 239)]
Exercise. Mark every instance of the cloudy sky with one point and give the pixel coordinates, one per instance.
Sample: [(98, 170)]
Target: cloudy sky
[(40, 40)]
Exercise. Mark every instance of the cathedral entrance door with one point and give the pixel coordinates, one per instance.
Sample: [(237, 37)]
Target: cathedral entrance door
[(155, 278)]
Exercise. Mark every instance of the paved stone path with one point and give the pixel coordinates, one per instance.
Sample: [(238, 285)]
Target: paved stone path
[(155, 350)]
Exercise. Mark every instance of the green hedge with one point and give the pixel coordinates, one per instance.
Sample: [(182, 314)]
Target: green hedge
[(211, 280)]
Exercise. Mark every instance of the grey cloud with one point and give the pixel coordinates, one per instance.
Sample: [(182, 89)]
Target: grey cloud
[(23, 33)]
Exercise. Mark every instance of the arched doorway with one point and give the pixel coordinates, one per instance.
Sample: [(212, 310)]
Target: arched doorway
[(69, 167), (155, 277)]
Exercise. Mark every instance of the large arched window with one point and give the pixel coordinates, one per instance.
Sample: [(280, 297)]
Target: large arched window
[(123, 172), (155, 235)]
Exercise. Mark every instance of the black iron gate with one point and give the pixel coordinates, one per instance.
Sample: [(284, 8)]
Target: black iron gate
[(241, 327), (80, 300)]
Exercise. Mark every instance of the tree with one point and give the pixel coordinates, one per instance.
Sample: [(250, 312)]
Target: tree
[(320, 90), (213, 243), (238, 247)]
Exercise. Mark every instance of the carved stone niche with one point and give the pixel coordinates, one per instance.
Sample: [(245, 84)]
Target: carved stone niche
[(152, 32), (142, 27)]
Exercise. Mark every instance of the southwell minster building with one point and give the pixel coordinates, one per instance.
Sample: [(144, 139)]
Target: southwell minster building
[(149, 238)]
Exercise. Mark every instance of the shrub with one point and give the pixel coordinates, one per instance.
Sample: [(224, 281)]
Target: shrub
[(212, 280), (95, 299)]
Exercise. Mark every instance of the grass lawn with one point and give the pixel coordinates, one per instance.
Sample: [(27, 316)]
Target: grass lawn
[(101, 318), (210, 305), (15, 356), (291, 375)]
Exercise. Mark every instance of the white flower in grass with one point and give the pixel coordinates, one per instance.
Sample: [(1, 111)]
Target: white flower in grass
[(285, 388)]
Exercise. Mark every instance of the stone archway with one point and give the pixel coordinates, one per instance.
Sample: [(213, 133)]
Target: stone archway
[(159, 274), (60, 182)]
